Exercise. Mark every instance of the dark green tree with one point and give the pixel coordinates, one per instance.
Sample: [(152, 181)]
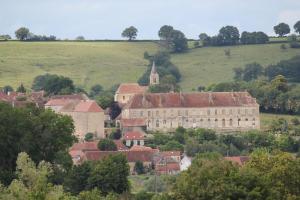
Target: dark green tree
[(22, 33), (21, 89), (53, 84), (229, 35), (297, 27), (139, 167), (252, 71), (77, 178), (165, 34), (107, 145), (96, 90), (282, 29), (110, 175), (179, 41), (41, 133), (88, 137), (130, 33), (7, 89)]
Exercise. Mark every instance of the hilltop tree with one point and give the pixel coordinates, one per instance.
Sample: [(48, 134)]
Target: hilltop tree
[(96, 90), (130, 33), (282, 29), (229, 35), (175, 40), (22, 33), (179, 41), (297, 27), (80, 37)]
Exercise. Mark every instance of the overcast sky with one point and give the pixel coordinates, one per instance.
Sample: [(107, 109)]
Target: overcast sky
[(105, 19)]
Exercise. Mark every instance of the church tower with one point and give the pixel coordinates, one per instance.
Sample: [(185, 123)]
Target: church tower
[(154, 77)]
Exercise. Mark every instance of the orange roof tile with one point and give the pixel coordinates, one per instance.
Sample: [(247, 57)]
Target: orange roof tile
[(240, 160), (131, 88), (133, 135), (87, 106), (170, 153)]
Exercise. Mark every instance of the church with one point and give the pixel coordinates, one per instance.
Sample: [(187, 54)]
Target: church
[(221, 111)]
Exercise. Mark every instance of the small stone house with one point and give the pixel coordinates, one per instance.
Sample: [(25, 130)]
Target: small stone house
[(134, 138)]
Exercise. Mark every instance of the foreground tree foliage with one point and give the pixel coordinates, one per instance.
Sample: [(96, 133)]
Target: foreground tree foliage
[(265, 176), (107, 145), (41, 133)]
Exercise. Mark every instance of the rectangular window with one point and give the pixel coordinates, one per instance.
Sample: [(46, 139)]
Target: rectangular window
[(149, 113)]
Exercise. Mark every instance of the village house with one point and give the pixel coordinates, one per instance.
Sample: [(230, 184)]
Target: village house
[(168, 162), (134, 138), (87, 115), (18, 99), (239, 160), (127, 90), (221, 111)]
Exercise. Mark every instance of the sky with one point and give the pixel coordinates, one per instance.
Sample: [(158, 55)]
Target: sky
[(106, 19)]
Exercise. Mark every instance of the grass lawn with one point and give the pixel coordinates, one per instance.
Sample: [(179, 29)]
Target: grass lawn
[(266, 119), (108, 63), (87, 63), (205, 66)]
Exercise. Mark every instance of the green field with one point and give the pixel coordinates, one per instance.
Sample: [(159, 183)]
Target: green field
[(108, 63), (266, 119)]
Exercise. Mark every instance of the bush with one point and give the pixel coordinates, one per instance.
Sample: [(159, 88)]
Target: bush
[(139, 167), (107, 145), (88, 137), (295, 45)]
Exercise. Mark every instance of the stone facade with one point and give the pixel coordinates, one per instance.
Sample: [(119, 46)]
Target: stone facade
[(229, 111), (88, 117)]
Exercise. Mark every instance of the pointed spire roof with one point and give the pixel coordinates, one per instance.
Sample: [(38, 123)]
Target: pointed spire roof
[(153, 70)]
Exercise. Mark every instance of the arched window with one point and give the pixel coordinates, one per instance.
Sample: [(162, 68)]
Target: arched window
[(216, 112), (223, 123), (239, 122), (230, 122), (216, 122), (149, 122), (165, 121), (253, 122), (157, 123), (208, 122)]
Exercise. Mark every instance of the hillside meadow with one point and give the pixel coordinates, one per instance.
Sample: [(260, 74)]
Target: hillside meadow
[(108, 63)]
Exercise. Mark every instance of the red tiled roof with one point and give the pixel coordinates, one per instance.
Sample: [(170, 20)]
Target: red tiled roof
[(84, 146), (240, 160), (120, 145), (71, 96), (133, 135), (87, 106), (142, 148), (174, 166), (131, 88), (191, 100), (170, 153), (132, 156), (133, 122), (58, 102)]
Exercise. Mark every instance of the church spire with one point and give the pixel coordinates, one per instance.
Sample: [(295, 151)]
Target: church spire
[(154, 77), (153, 69)]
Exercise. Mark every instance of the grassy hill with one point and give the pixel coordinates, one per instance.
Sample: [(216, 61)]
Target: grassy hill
[(108, 63)]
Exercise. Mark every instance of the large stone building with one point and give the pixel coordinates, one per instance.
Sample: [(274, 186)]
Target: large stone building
[(88, 117), (222, 111)]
